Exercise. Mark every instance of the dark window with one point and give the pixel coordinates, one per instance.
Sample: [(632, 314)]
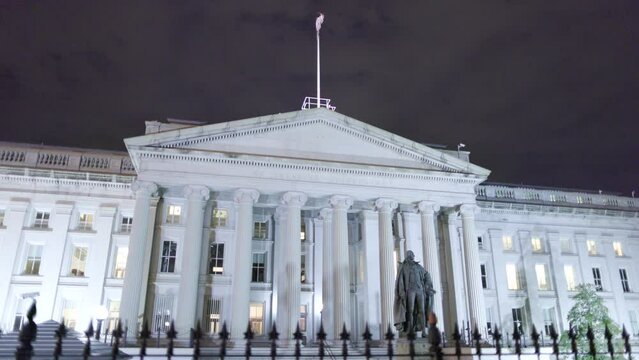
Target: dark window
[(484, 276), (216, 259), (596, 275), (624, 280), (169, 254), (259, 267)]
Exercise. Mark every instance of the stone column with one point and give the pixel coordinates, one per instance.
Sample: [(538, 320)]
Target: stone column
[(288, 307), (476, 302), (386, 262), (341, 297), (370, 236), (327, 272), (431, 254), (186, 316), (130, 312), (244, 200), (14, 221)]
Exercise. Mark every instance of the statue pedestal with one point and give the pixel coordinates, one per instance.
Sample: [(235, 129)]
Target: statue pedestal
[(402, 347)]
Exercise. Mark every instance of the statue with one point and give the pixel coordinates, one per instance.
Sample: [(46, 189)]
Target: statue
[(414, 295)]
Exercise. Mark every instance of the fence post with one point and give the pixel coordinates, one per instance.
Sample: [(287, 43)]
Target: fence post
[(197, 336), (171, 335), (27, 335), (534, 335), (390, 337), (497, 338), (224, 335), (611, 349), (321, 336), (297, 335), (87, 346), (145, 334), (367, 336), (555, 345), (591, 343), (60, 333), (457, 338), (248, 335), (345, 337), (273, 336), (117, 335)]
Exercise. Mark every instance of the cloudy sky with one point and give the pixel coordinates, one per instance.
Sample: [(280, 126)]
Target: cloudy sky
[(541, 92)]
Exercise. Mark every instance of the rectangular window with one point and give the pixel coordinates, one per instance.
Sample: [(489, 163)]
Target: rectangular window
[(34, 257), (126, 224), (303, 269), (634, 324), (41, 220), (616, 245), (596, 275), (256, 318), (518, 320), (542, 277), (484, 276), (548, 320), (69, 314), (78, 260), (114, 314), (536, 245), (566, 247), (216, 258), (173, 214), (489, 320), (569, 272), (1, 217), (260, 230), (480, 243), (120, 262), (512, 277), (219, 218), (162, 310), (303, 313), (259, 267), (303, 231), (211, 316), (85, 222), (592, 247), (624, 280), (508, 242), (169, 254)]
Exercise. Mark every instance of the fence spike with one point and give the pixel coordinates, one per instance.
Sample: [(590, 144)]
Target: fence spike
[(171, 334), (497, 337), (321, 336), (390, 336), (273, 336), (457, 338), (345, 336), (535, 338), (626, 341), (224, 335), (555, 345), (477, 340), (117, 335), (197, 337), (248, 336), (298, 336), (590, 335), (60, 333), (517, 338), (367, 336), (87, 346), (145, 334), (608, 336)]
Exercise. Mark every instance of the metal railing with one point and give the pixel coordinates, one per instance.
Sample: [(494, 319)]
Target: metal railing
[(312, 102)]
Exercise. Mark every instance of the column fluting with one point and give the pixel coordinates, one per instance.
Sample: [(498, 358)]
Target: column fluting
[(385, 208), (341, 285)]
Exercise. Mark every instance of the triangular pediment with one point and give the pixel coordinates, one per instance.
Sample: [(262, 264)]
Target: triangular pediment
[(308, 135)]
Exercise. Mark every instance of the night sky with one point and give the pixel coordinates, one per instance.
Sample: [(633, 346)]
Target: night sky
[(541, 92)]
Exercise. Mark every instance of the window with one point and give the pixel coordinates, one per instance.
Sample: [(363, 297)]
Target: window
[(1, 217), (489, 320), (41, 220), (552, 197), (569, 272), (633, 322), (126, 224), (259, 267), (548, 320), (34, 256), (114, 314), (536, 245), (169, 254), (592, 247), (162, 310), (624, 280), (219, 218), (518, 320), (480, 242), (69, 314), (173, 214), (211, 314), (260, 230), (596, 275), (616, 245), (542, 277), (512, 277), (256, 318), (216, 258), (120, 262), (79, 260), (303, 313), (566, 246), (484, 276), (508, 242), (85, 221), (303, 232), (303, 269)]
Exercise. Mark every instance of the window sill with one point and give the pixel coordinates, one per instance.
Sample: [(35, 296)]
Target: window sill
[(122, 233), (83, 231), (37, 229)]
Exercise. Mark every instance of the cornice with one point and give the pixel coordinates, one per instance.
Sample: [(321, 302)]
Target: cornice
[(82, 185), (488, 208)]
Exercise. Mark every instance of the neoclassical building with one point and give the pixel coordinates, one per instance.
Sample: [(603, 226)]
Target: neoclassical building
[(296, 218)]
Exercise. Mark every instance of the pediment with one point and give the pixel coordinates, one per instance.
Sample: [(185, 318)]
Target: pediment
[(308, 135)]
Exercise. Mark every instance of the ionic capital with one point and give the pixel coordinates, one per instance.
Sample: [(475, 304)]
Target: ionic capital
[(144, 188), (385, 205), (326, 214), (197, 192), (246, 196), (293, 198), (468, 209), (341, 202), (428, 207)]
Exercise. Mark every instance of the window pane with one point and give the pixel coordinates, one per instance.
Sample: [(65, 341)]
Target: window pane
[(512, 277), (120, 262), (508, 242), (570, 277), (78, 261)]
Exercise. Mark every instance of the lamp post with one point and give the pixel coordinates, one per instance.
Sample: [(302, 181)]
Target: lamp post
[(101, 313)]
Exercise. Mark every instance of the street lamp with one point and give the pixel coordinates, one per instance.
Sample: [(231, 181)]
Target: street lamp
[(101, 313)]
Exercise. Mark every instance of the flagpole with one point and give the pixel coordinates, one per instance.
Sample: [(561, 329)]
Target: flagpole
[(318, 68)]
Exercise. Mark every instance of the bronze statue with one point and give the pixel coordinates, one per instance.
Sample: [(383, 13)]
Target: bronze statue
[(413, 296)]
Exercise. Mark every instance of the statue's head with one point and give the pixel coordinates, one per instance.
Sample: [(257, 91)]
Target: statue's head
[(410, 255)]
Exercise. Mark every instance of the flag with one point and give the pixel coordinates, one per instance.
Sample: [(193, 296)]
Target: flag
[(319, 21)]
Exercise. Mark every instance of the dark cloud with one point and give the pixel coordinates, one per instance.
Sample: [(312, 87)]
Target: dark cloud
[(542, 92)]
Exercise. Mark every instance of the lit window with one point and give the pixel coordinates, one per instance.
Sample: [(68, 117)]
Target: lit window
[(85, 221), (256, 318), (212, 307), (34, 257), (542, 277), (169, 254), (219, 218), (114, 314), (616, 245), (512, 277), (41, 220), (303, 313), (260, 230), (126, 224), (484, 276), (596, 276), (1, 217), (216, 258), (303, 232), (624, 280), (259, 267), (553, 197), (592, 247), (162, 312), (69, 314), (536, 245), (569, 272), (120, 262), (508, 242), (79, 260), (580, 199), (173, 214)]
